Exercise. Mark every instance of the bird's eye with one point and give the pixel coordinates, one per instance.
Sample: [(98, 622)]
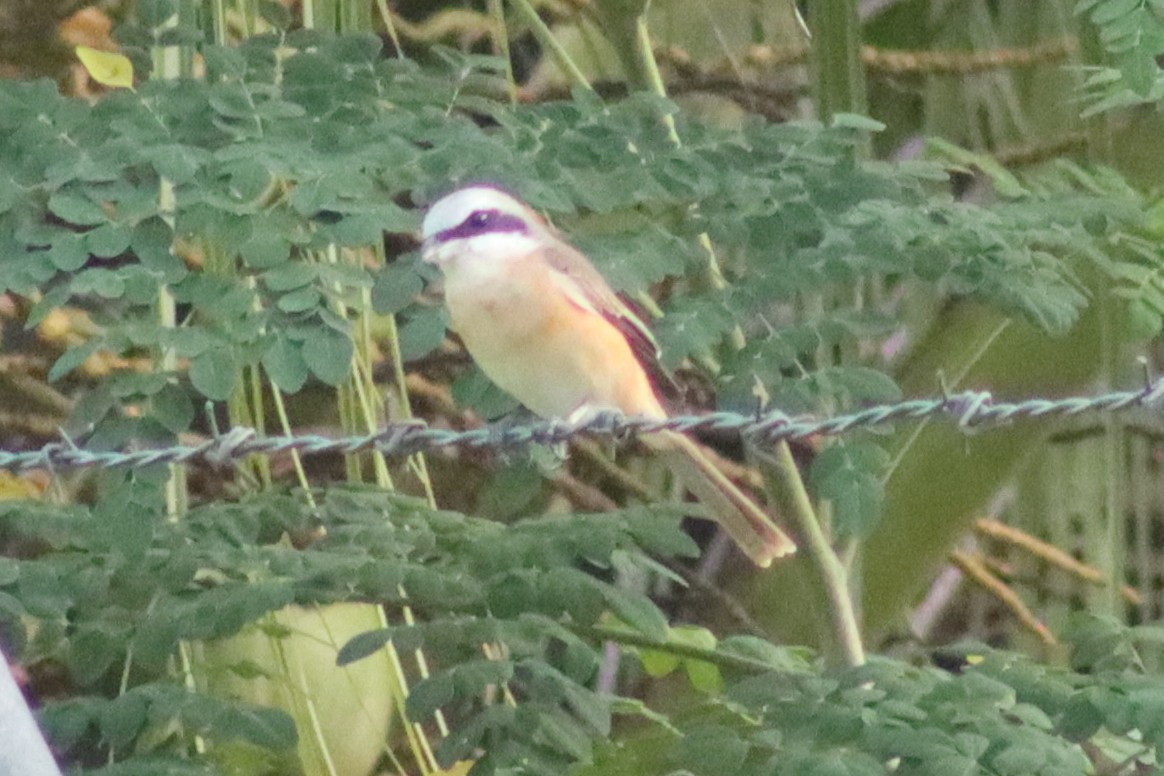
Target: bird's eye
[(480, 219)]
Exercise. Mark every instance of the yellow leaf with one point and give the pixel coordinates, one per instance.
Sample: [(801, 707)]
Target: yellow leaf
[(106, 67), (13, 488)]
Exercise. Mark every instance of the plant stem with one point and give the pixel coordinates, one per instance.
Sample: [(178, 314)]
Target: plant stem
[(838, 74), (632, 639), (501, 40), (546, 37), (831, 572)]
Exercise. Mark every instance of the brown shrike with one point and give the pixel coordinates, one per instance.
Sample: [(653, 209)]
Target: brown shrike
[(544, 325)]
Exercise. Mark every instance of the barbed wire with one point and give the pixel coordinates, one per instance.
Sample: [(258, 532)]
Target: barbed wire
[(970, 410)]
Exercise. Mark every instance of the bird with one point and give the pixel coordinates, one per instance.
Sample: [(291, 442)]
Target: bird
[(544, 325)]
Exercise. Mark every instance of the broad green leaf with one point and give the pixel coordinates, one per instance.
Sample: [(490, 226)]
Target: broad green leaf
[(299, 301), (285, 364), (173, 408), (67, 253), (260, 253), (328, 354), (396, 287), (107, 240), (475, 391), (422, 333), (232, 101), (214, 373), (93, 650), (76, 208)]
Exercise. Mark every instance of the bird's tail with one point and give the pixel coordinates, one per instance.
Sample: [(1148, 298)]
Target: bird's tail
[(749, 526)]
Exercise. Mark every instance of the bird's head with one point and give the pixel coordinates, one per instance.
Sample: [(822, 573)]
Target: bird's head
[(480, 221)]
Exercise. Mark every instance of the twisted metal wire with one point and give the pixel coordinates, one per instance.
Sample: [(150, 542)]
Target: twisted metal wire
[(969, 409)]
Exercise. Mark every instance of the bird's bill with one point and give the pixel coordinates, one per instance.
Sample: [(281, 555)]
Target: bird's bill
[(430, 251)]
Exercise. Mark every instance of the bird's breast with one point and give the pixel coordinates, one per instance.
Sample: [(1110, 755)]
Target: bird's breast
[(498, 299), (538, 344)]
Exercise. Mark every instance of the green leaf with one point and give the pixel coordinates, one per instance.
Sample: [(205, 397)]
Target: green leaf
[(285, 364), (429, 695), (98, 280), (363, 645), (658, 663), (72, 358), (67, 253), (125, 720), (636, 708), (173, 408), (107, 240), (265, 252), (710, 750), (214, 373), (300, 301), (850, 476), (1019, 761), (155, 13), (753, 648), (422, 333), (328, 354), (176, 163), (658, 530), (268, 728), (275, 14), (10, 193), (637, 611), (512, 491), (93, 650), (396, 287), (857, 121), (1005, 182), (76, 208), (703, 675), (232, 101), (151, 243), (475, 391)]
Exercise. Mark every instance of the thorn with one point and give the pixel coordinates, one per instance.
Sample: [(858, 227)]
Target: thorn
[(943, 386), (1153, 387), (211, 419), (763, 398), (68, 440)]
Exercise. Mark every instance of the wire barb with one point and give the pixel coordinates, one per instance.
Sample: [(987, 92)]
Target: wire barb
[(971, 411)]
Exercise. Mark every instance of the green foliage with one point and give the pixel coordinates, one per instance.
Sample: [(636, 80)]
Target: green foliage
[(273, 167), (1132, 34), (1000, 713), (105, 611), (523, 588)]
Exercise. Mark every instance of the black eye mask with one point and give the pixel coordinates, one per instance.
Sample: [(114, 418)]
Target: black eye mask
[(483, 222)]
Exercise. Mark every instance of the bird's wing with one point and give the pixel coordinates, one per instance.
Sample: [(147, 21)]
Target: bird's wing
[(583, 285)]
